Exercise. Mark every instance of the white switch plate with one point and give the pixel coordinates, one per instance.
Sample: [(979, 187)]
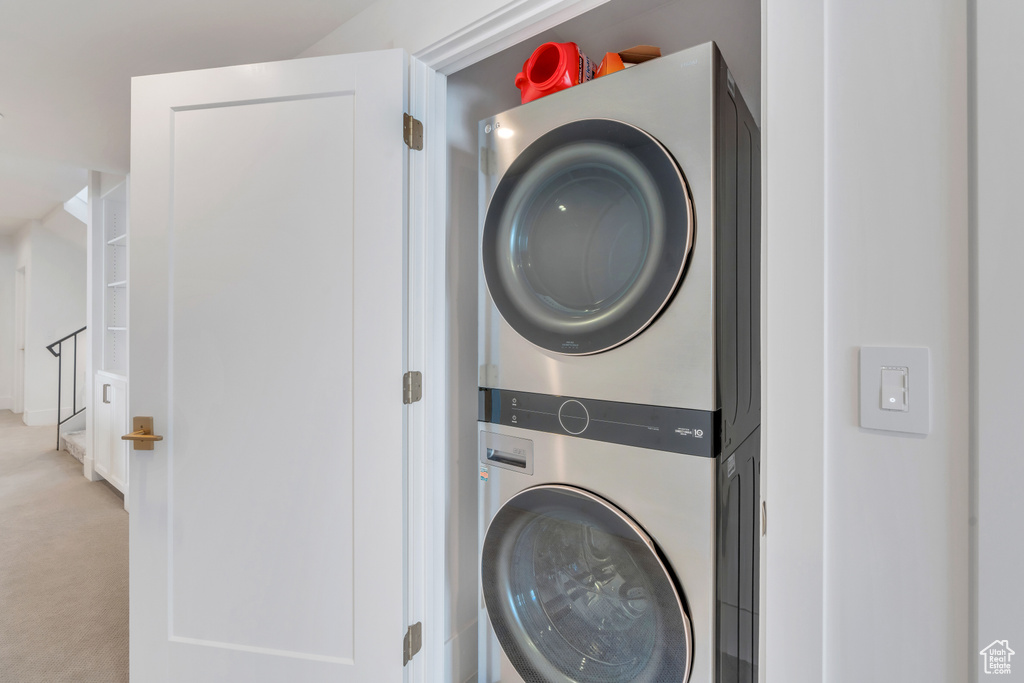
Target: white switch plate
[(916, 419)]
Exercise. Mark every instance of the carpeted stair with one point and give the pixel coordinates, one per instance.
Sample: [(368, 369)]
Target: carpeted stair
[(75, 444)]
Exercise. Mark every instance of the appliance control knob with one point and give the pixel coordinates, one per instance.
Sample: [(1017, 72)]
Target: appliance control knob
[(573, 417)]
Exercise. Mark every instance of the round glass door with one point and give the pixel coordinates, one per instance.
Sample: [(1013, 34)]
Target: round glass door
[(586, 236), (577, 592)]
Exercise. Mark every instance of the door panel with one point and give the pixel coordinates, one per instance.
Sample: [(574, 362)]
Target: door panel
[(110, 422), (267, 316), (293, 317), (101, 426), (117, 416)]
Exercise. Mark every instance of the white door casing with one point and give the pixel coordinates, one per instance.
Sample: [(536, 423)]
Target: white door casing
[(267, 314), (20, 298)]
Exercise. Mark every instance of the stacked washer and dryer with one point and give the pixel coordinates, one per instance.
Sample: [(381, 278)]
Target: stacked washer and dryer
[(619, 398)]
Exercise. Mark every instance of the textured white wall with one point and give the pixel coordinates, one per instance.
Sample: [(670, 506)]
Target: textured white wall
[(896, 505), (999, 360)]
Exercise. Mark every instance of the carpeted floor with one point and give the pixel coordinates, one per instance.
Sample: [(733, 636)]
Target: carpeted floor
[(63, 565)]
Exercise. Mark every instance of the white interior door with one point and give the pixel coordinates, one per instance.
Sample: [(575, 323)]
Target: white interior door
[(267, 322)]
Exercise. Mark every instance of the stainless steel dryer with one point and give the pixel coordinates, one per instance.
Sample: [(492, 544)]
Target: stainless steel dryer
[(620, 248), (619, 381)]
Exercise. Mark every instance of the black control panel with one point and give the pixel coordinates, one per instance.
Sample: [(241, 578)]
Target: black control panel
[(677, 430)]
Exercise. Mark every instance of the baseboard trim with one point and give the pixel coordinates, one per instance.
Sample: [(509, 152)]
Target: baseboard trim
[(40, 418), (89, 469)]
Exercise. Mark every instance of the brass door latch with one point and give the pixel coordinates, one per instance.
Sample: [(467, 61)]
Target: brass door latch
[(142, 436)]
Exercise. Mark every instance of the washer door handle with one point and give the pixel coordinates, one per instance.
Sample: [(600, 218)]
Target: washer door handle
[(505, 458)]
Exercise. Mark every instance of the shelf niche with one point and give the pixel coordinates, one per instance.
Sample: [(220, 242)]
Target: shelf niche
[(114, 212)]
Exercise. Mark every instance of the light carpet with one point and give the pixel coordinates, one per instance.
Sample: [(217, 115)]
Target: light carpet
[(63, 565)]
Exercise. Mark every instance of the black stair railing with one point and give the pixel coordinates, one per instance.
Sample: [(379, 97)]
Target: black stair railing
[(57, 348)]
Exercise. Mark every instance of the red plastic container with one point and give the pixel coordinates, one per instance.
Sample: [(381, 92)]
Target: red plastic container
[(553, 67)]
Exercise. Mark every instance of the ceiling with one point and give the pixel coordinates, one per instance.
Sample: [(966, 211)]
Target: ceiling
[(66, 68)]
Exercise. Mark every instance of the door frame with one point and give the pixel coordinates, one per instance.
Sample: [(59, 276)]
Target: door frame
[(20, 315), (426, 351), (428, 310)]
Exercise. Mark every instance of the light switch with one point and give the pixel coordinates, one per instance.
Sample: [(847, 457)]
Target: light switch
[(894, 389)]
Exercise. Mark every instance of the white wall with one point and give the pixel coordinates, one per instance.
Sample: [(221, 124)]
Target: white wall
[(7, 352), (53, 254), (896, 542), (998, 357), (866, 236)]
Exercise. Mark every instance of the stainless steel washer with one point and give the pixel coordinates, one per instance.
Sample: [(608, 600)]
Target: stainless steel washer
[(605, 563)]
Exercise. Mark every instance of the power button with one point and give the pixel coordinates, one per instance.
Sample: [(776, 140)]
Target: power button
[(573, 417)]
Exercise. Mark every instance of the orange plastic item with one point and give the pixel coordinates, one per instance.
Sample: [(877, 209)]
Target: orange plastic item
[(553, 67), (611, 63)]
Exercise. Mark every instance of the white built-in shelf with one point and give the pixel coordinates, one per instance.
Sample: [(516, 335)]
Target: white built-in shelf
[(108, 373), (110, 302)]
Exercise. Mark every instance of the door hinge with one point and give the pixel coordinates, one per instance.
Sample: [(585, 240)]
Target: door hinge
[(412, 386), (412, 132), (764, 518), (413, 642)]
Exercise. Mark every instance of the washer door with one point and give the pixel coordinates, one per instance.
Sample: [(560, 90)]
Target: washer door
[(586, 236), (576, 591)]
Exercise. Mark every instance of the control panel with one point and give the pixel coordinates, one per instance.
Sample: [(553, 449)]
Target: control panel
[(678, 430)]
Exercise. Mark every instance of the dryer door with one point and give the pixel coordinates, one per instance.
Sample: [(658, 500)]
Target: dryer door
[(576, 591), (586, 236)]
